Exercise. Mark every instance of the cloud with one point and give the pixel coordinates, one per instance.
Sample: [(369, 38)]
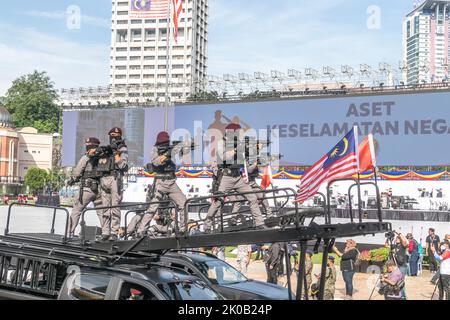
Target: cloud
[(69, 64), (61, 15)]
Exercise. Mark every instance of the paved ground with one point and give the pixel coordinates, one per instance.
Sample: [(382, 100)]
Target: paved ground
[(417, 288)]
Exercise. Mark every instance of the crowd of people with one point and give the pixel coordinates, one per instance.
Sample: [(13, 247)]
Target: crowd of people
[(405, 254)]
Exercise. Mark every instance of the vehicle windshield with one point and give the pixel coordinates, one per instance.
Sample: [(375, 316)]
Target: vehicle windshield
[(188, 290), (220, 273)]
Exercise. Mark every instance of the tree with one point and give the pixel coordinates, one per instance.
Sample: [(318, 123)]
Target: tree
[(31, 102), (36, 179), (204, 96), (57, 178)]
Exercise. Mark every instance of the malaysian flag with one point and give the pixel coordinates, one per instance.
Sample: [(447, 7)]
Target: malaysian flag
[(144, 9), (340, 162), (177, 10)]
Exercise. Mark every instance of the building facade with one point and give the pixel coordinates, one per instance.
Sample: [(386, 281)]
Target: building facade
[(425, 42), (143, 57), (35, 150), (21, 149), (9, 144)]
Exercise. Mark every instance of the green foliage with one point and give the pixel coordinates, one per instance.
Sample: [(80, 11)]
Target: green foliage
[(36, 179), (379, 255), (204, 96), (57, 179), (30, 100)]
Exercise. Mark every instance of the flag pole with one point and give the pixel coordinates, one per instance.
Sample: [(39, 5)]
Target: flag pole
[(168, 67), (356, 132), (375, 174)]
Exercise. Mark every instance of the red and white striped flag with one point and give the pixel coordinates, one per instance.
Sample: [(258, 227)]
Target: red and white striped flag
[(340, 162), (267, 178), (177, 10), (145, 9), (367, 158)]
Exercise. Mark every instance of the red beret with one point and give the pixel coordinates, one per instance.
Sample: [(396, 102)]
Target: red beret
[(115, 130), (163, 137), (135, 292)]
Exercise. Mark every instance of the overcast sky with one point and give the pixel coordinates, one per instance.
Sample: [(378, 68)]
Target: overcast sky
[(244, 36)]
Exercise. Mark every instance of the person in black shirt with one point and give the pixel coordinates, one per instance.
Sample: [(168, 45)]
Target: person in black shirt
[(273, 259), (348, 265), (432, 241)]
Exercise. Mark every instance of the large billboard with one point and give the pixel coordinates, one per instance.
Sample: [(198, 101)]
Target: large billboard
[(410, 129)]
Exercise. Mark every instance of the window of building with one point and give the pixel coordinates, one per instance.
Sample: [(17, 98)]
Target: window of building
[(122, 36), (121, 58), (150, 21), (136, 21), (150, 34), (149, 57), (122, 21), (162, 34), (135, 58), (121, 49), (122, 13), (136, 35)]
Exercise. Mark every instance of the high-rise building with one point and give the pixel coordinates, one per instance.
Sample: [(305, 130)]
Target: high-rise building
[(425, 42), (143, 56)]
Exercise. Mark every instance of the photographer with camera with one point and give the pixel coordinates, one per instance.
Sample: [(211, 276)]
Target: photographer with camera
[(86, 173), (398, 244), (111, 183), (165, 183), (392, 283)]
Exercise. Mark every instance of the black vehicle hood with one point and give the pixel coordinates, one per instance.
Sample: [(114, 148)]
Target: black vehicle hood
[(262, 289)]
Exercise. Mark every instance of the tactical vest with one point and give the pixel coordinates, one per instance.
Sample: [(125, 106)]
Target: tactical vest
[(105, 164), (91, 172), (168, 168)]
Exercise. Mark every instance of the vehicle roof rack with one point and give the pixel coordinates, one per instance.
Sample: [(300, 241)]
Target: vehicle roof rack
[(290, 228)]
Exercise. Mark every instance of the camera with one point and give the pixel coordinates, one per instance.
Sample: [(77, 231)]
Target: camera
[(390, 235)]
